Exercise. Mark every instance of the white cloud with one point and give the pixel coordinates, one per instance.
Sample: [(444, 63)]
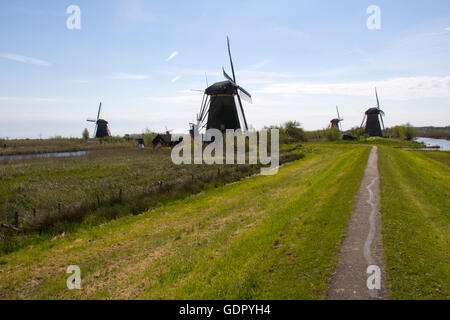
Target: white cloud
[(172, 55), (185, 100), (127, 76), (290, 32), (175, 79), (447, 29), (395, 89), (37, 100), (24, 59)]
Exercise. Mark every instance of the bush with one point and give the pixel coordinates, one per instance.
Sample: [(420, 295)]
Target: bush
[(406, 131), (333, 134), (148, 137), (85, 134)]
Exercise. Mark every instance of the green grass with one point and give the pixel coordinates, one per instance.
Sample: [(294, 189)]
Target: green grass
[(415, 210), (266, 237)]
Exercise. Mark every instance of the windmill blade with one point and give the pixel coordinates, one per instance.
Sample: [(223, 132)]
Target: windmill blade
[(206, 78), (198, 90), (382, 121), (337, 109), (95, 131), (242, 112), (231, 60), (226, 75), (362, 123), (378, 101), (245, 95), (99, 109), (91, 120)]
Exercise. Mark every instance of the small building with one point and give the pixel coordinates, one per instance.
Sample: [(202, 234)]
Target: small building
[(165, 140)]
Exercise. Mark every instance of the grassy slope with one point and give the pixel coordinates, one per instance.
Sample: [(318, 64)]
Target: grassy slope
[(416, 222), (264, 237)]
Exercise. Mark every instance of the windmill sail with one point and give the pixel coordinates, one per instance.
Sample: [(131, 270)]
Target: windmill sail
[(101, 125), (221, 106)]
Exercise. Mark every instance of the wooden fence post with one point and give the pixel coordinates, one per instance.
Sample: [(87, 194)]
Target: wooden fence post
[(98, 199), (34, 212), (120, 195), (16, 219), (59, 208)]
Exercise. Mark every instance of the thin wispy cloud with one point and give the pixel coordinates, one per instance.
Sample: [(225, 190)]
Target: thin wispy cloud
[(447, 29), (290, 32), (24, 59), (175, 79), (172, 55), (395, 89), (127, 76), (37, 100)]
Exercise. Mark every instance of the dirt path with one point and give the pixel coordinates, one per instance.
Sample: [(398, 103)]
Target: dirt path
[(362, 246)]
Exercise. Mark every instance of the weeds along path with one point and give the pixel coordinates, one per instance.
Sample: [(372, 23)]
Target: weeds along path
[(362, 246), (268, 237), (415, 202)]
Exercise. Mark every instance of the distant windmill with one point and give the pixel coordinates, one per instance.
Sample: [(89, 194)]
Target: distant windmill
[(372, 119), (221, 106), (336, 122), (101, 125)]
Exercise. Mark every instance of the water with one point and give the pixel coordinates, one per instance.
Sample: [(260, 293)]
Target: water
[(429, 142), (44, 155)]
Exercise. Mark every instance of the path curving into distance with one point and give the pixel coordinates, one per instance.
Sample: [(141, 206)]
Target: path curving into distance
[(362, 247)]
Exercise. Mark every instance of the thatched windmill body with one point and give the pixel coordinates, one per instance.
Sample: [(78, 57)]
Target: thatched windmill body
[(221, 106), (336, 123), (372, 118), (101, 125)]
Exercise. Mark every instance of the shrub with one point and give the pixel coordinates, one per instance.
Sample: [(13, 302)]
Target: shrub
[(85, 134), (333, 134)]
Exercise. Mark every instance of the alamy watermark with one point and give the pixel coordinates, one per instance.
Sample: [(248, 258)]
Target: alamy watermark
[(213, 151), (74, 281), (374, 20), (374, 279), (73, 22)]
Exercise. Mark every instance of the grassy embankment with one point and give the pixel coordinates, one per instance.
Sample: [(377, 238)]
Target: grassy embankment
[(273, 237), (415, 210)]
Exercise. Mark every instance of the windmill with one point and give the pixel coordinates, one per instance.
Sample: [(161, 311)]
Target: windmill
[(372, 119), (336, 122), (221, 106), (101, 125)]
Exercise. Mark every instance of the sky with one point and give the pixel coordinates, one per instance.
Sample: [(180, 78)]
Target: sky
[(141, 59)]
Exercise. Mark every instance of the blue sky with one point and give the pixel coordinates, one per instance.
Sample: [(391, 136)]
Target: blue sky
[(299, 59)]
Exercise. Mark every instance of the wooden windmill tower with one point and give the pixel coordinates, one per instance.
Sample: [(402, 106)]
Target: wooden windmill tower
[(336, 123), (371, 120), (221, 106), (101, 125)]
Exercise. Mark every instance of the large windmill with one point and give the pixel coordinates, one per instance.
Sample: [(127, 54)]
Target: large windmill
[(372, 119), (221, 106), (101, 125), (337, 121)]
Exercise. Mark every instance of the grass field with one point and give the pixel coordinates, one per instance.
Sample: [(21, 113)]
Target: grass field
[(274, 237), (415, 209)]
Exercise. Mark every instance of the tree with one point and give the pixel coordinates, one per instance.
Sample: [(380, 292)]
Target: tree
[(293, 131), (410, 132), (333, 134), (85, 134)]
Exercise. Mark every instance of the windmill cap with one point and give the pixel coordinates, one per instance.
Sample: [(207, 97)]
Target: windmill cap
[(102, 121), (224, 87), (373, 111)]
